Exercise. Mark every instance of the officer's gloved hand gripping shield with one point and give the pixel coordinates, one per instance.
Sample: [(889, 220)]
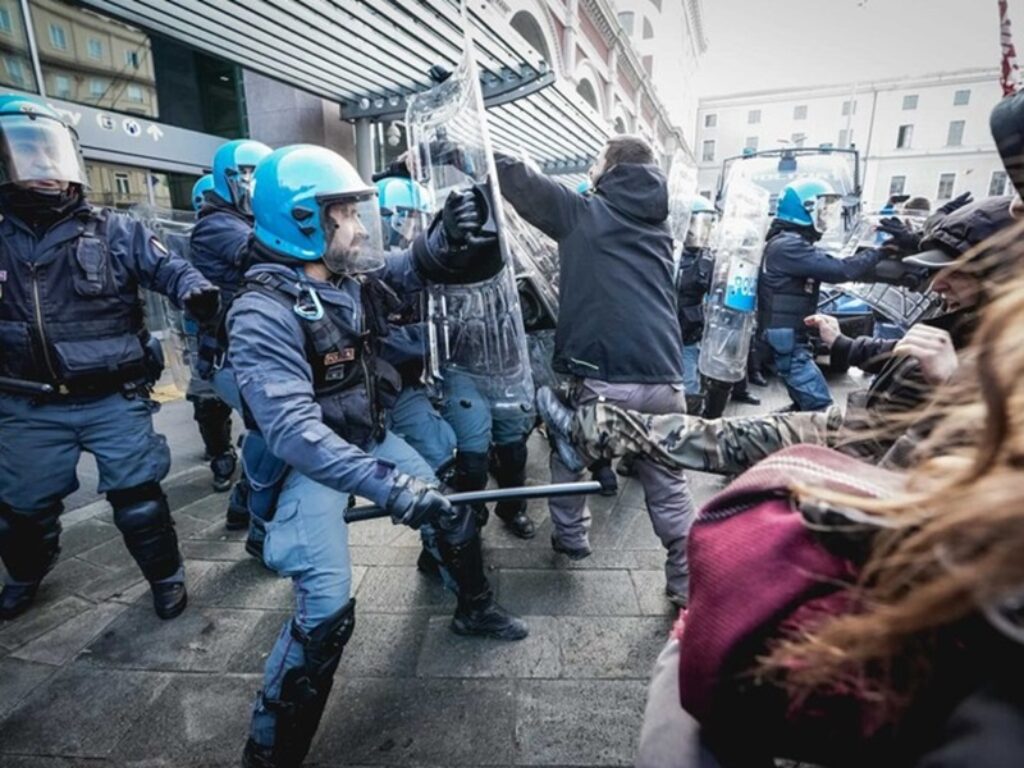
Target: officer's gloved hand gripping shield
[(475, 327), (35, 145), (731, 304)]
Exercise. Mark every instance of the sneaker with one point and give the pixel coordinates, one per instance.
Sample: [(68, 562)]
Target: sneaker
[(15, 599), (169, 600), (746, 397), (485, 618), (558, 420), (578, 553)]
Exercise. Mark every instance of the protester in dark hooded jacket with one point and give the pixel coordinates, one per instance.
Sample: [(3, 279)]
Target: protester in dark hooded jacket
[(617, 335)]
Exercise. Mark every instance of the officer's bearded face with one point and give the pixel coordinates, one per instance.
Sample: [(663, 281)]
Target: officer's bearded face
[(346, 236)]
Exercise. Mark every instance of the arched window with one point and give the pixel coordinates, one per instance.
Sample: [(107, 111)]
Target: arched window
[(620, 125), (648, 29), (526, 24), (586, 90)]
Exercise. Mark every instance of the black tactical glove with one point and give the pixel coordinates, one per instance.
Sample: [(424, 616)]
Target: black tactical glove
[(462, 217), (412, 502), (955, 204), (902, 238), (203, 303)]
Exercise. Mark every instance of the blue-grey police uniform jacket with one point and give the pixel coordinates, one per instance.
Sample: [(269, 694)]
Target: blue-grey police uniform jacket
[(70, 310), (269, 354), (792, 271), (219, 246)]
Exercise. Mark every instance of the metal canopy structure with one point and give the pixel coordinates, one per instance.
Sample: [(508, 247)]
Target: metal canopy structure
[(370, 55)]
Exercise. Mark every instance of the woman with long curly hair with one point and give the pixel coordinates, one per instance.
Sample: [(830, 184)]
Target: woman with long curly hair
[(910, 652)]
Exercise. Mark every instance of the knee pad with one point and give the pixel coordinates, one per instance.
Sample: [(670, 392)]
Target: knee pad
[(305, 688), (144, 519), (470, 471), (207, 408), (30, 540)]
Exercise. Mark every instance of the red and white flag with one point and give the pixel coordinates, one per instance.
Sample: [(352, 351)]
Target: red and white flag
[(1010, 77)]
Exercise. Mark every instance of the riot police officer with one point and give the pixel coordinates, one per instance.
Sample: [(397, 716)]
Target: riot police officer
[(79, 359), (792, 271), (212, 415), (303, 347), (219, 247)]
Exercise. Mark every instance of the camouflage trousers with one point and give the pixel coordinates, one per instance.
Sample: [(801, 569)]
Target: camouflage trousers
[(602, 430)]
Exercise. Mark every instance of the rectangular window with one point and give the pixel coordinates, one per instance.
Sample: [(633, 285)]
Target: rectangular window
[(131, 59), (904, 137), (751, 143), (95, 46), (134, 93), (910, 102), (15, 70), (626, 20), (708, 154), (800, 112), (5, 20), (955, 137), (849, 108), (845, 138), (754, 117), (946, 182), (62, 86), (962, 98), (705, 193), (896, 185), (997, 186), (97, 88), (710, 121), (798, 139), (58, 37), (122, 184)]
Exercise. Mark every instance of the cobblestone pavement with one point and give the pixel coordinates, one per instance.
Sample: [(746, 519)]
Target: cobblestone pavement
[(90, 677)]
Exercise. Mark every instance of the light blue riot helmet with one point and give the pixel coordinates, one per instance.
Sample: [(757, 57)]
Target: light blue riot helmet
[(702, 222), (37, 145), (199, 190), (233, 166), (311, 205), (405, 208), (810, 203), (583, 187)]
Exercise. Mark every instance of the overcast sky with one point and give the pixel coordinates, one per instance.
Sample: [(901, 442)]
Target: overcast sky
[(759, 44)]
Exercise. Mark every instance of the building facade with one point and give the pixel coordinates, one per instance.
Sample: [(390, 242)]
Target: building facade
[(926, 136), (634, 62)]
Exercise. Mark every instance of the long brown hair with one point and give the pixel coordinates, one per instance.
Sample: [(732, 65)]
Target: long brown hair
[(954, 541)]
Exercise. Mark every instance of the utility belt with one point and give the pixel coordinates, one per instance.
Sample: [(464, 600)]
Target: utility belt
[(90, 369)]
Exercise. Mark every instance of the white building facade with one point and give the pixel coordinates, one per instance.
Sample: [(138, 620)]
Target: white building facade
[(926, 136), (635, 62)]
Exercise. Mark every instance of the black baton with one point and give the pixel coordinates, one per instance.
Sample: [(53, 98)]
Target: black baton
[(356, 514), (23, 387)]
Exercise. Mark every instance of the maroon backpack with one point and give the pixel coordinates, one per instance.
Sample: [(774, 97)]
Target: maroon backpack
[(758, 570)]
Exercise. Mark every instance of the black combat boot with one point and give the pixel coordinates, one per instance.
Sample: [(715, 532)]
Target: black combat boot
[(304, 691), (214, 419), (237, 517), (477, 613), (29, 546), (144, 519), (510, 472)]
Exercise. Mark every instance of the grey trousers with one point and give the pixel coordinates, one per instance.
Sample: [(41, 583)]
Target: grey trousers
[(670, 737), (666, 492)]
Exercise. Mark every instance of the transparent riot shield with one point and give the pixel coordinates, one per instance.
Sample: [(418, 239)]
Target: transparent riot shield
[(475, 331), (898, 304), (166, 322), (682, 189), (730, 305)]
